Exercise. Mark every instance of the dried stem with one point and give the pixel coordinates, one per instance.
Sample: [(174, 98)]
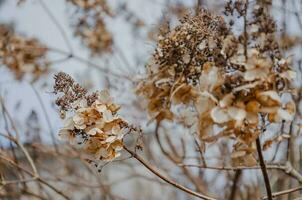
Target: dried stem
[(264, 171), (245, 28), (276, 194), (166, 179), (176, 159), (33, 175), (235, 182)]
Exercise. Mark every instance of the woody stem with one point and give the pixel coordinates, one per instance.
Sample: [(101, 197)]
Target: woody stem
[(264, 171)]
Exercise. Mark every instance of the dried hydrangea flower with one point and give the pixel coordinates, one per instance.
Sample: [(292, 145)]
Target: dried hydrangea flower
[(22, 55), (176, 66), (90, 26), (228, 83), (94, 127)]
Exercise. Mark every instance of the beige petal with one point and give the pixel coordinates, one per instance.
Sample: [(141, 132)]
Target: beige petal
[(209, 79), (101, 108), (269, 109), (237, 154), (237, 114), (94, 131), (110, 139), (203, 104), (220, 115), (252, 118), (269, 98), (77, 119), (226, 100), (107, 116), (259, 73)]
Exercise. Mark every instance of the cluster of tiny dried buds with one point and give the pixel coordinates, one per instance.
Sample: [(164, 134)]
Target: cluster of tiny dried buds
[(94, 125), (90, 25), (177, 63), (22, 55), (218, 79)]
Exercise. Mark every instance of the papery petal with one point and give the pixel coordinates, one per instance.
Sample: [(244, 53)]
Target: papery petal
[(269, 98), (246, 86), (116, 130), (209, 78), (220, 115), (269, 109), (209, 95), (101, 108), (237, 154), (203, 104), (110, 139), (77, 119), (94, 131), (252, 118), (107, 116), (236, 113), (254, 74), (226, 100), (80, 126)]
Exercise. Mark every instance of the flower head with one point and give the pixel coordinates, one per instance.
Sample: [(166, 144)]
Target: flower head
[(94, 127), (23, 56)]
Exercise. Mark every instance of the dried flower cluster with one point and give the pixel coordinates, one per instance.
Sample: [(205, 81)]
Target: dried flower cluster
[(22, 55), (178, 61), (90, 25), (233, 83), (94, 126)]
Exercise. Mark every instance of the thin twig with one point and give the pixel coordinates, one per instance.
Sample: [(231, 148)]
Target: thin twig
[(16, 141), (198, 6), (245, 29), (264, 171), (33, 175), (276, 194), (166, 179), (175, 158), (286, 168)]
